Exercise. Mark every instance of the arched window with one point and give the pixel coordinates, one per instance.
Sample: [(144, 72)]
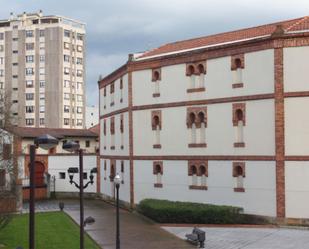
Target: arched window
[(237, 63), (194, 175), (239, 174), (112, 173), (190, 70), (240, 126), (239, 115), (156, 76), (202, 125), (201, 69), (156, 127), (193, 127), (158, 172), (202, 173)]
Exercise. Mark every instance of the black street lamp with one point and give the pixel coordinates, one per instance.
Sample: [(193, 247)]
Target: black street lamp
[(117, 181), (74, 147), (45, 142)]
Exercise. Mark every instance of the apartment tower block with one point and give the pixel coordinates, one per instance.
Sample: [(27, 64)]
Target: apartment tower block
[(42, 70)]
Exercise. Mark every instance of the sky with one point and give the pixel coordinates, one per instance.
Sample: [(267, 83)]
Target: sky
[(116, 28)]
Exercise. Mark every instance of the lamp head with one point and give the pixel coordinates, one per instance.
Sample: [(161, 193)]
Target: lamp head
[(46, 142), (70, 146), (71, 172), (89, 221), (117, 179)]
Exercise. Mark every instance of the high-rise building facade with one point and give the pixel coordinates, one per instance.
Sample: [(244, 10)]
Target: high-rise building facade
[(42, 70)]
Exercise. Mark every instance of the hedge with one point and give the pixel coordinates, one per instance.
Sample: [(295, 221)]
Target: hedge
[(164, 211)]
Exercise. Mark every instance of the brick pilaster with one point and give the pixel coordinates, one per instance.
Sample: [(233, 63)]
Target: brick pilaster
[(279, 132)]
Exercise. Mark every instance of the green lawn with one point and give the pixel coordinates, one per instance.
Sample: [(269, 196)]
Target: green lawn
[(54, 230)]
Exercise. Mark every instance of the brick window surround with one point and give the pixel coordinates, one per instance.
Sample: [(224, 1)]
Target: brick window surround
[(239, 169), (239, 113), (197, 116), (156, 120), (112, 170), (198, 168), (237, 61), (196, 68), (156, 74), (157, 168)]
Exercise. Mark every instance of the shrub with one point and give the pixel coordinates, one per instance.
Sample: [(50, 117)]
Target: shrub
[(164, 211)]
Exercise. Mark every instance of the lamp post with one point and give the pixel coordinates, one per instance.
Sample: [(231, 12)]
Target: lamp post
[(72, 147), (117, 181), (45, 142)]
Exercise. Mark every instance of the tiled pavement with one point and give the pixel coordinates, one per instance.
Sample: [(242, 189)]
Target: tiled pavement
[(249, 238), (139, 233)]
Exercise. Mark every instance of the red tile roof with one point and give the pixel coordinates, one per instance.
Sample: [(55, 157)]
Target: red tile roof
[(27, 132), (263, 30), (95, 129)]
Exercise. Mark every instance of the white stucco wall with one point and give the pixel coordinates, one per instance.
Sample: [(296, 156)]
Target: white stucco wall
[(296, 69), (57, 164), (297, 189), (107, 139), (259, 196), (258, 78), (220, 133), (107, 187), (296, 126), (117, 104)]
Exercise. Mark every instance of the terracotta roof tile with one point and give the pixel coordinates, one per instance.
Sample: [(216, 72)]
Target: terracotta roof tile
[(289, 25), (27, 132)]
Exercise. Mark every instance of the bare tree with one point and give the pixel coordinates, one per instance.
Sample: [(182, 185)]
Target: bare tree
[(9, 192)]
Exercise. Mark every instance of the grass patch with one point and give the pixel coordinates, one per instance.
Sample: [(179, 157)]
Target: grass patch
[(54, 230), (164, 211)]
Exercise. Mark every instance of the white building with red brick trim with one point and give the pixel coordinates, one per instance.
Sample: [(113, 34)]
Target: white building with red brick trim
[(219, 119)]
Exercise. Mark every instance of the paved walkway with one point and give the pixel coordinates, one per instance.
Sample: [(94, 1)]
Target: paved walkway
[(137, 232), (249, 238)]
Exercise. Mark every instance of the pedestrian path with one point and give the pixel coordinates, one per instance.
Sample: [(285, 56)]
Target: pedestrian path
[(249, 238)]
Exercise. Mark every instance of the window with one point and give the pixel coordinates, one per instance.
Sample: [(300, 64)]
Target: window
[(66, 121), (121, 132), (79, 48), (196, 124), (29, 33), (1, 60), (42, 70), (42, 33), (79, 109), (66, 58), (87, 143), (196, 74), (79, 122), (156, 78), (66, 45), (66, 83), (79, 98), (29, 109), (29, 46), (158, 172), (237, 66), (14, 51), (1, 72), (42, 121), (42, 58), (112, 170), (15, 64), (79, 85), (66, 108), (61, 175), (1, 36), (29, 71), (42, 96), (198, 173), (66, 70), (15, 39), (42, 108), (42, 83), (15, 101), (29, 96), (79, 37), (79, 73), (42, 45), (112, 132), (156, 127), (1, 48), (29, 58), (66, 33), (29, 83), (29, 121), (79, 61), (66, 96), (239, 122), (239, 174)]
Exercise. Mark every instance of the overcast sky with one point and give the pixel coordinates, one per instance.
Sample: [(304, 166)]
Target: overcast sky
[(116, 28)]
